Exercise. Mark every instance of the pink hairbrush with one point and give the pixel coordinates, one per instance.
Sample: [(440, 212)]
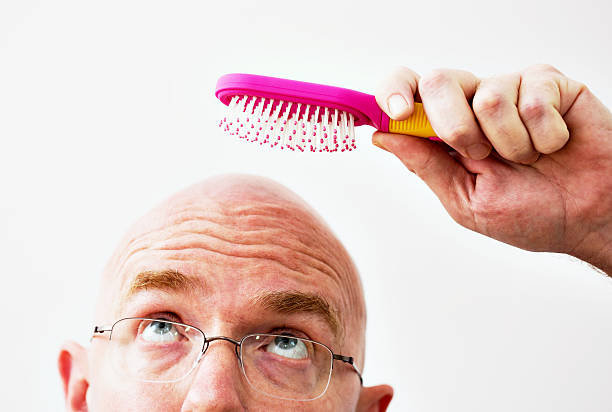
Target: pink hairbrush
[(305, 116)]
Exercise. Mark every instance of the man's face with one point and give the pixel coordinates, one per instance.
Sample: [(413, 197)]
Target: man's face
[(230, 262)]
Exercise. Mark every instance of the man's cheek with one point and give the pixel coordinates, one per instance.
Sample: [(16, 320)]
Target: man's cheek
[(158, 397), (121, 395)]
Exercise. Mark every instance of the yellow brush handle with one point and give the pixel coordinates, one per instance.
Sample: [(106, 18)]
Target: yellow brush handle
[(416, 125)]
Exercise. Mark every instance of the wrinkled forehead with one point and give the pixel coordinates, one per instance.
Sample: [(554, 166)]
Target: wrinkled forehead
[(198, 234), (281, 233)]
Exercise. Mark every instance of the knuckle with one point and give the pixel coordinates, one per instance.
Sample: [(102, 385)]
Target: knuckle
[(520, 154), (549, 85), (488, 103), (435, 80), (543, 68), (581, 87), (554, 143), (401, 79), (532, 109), (457, 134), (403, 71)]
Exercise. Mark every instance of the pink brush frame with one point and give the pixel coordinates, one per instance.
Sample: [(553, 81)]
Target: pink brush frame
[(362, 106)]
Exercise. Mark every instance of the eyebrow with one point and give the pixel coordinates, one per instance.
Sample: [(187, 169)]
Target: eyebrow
[(292, 301), (168, 280), (284, 302)]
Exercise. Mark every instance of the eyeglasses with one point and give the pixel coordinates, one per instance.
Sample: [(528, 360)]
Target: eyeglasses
[(281, 366)]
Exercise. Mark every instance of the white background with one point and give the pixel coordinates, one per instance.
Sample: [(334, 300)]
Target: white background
[(107, 107)]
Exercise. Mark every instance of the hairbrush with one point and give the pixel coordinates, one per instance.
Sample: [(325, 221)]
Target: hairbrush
[(305, 116)]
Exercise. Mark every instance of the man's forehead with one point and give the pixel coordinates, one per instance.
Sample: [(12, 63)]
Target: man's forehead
[(252, 219), (226, 235)]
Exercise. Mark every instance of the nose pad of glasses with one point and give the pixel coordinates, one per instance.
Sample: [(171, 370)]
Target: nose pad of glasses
[(201, 354), (237, 350)]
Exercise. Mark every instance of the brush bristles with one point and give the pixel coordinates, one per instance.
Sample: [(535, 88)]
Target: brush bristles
[(288, 125)]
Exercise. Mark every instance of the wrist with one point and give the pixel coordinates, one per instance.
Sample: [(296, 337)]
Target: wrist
[(596, 249)]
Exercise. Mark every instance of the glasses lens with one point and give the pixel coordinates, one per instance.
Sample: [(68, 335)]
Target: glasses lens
[(154, 350), (286, 367)]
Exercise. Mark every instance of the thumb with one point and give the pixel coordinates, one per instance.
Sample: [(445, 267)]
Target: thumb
[(445, 176)]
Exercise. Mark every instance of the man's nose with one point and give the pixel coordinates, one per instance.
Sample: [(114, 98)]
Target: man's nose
[(218, 384)]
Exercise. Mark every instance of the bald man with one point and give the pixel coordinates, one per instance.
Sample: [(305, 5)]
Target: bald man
[(237, 257), (235, 295)]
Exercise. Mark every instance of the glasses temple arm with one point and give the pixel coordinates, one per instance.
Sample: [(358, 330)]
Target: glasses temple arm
[(350, 361), (100, 329)]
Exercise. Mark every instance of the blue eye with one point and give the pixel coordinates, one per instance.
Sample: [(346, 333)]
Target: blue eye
[(160, 331), (288, 347)]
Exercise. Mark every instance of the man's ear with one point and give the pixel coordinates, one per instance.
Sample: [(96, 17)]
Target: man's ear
[(375, 398), (72, 365)]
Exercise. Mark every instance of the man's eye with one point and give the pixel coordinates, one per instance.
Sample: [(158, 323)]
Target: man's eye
[(160, 331), (288, 347)]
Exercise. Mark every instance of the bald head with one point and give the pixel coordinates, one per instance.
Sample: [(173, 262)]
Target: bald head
[(234, 228)]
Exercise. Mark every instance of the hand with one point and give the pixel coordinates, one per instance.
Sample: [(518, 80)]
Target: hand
[(533, 160)]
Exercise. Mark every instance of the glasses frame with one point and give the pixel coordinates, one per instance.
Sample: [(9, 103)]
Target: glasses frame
[(99, 330)]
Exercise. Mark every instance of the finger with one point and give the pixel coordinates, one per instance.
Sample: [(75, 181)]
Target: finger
[(491, 165), (395, 95), (495, 108), (539, 104), (445, 95), (447, 178)]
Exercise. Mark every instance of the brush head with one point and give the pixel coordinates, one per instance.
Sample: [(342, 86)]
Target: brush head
[(289, 125), (293, 115)]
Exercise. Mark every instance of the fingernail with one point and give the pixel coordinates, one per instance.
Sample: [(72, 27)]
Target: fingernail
[(397, 105), (478, 151)]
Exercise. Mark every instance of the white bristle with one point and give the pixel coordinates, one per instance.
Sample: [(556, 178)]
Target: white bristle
[(271, 123)]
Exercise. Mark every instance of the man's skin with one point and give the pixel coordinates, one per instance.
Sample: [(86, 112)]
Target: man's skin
[(545, 187)]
